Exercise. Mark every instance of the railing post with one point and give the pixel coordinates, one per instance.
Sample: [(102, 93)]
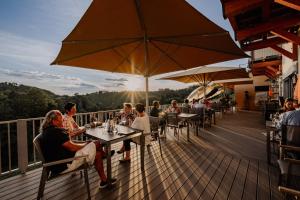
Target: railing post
[(22, 145)]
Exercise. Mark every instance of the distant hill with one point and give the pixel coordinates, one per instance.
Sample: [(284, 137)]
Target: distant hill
[(21, 101)]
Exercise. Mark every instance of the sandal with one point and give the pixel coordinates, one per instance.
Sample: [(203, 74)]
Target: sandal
[(120, 151), (124, 161)]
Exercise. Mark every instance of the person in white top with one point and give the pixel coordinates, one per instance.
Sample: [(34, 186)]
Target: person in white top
[(141, 122), (68, 122)]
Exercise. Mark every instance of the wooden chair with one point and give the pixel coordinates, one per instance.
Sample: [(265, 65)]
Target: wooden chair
[(46, 174), (154, 127), (174, 122), (289, 159)]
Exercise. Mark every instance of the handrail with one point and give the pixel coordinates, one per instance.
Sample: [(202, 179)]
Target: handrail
[(16, 139)]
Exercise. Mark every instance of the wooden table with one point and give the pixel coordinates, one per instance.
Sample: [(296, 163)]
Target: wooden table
[(109, 138), (270, 126), (187, 117)]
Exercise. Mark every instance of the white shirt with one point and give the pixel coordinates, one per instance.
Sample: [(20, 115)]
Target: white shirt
[(142, 123)]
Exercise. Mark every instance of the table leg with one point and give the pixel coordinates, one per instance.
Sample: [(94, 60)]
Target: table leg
[(108, 160), (142, 141), (268, 147), (188, 131), (214, 118)]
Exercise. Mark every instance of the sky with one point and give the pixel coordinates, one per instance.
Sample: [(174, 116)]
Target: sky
[(31, 32)]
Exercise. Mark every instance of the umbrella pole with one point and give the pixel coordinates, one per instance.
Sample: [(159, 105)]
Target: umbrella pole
[(147, 94)]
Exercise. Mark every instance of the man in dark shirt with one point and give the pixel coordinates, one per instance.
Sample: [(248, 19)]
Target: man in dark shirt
[(56, 145)]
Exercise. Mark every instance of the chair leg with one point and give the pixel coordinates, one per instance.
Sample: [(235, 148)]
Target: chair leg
[(159, 145), (42, 183), (86, 180)]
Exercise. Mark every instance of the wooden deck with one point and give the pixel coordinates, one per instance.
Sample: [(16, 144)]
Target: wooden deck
[(227, 161)]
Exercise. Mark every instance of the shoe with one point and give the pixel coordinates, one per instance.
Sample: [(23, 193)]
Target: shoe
[(124, 161), (113, 181), (120, 151), (112, 152), (104, 184)]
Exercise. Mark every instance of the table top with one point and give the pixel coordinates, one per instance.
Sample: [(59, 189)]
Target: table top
[(270, 124), (186, 115), (122, 133)]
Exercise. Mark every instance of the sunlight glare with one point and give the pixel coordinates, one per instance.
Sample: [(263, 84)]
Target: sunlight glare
[(134, 84)]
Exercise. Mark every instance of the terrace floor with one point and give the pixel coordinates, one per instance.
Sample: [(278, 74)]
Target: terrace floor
[(226, 161)]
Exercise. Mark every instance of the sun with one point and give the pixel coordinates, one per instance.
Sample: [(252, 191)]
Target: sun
[(134, 84)]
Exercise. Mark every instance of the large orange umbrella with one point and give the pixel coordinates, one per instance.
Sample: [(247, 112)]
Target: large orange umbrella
[(146, 37)]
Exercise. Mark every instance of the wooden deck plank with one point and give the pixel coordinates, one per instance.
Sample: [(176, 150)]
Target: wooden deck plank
[(237, 189), (197, 190), (164, 192), (216, 180), (251, 181), (263, 189), (199, 171), (224, 189)]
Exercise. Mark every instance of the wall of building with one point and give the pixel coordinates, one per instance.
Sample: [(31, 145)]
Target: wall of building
[(239, 91), (240, 96)]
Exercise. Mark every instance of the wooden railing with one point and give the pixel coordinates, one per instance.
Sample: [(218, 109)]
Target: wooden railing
[(17, 153)]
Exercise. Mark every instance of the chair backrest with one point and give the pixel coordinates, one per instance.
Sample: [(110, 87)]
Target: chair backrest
[(172, 119), (198, 111), (291, 135), (185, 109), (37, 144), (154, 123)]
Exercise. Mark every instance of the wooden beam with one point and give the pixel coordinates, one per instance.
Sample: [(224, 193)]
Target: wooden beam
[(292, 56), (294, 4), (274, 71), (287, 36), (234, 7), (279, 23), (266, 63), (263, 44)]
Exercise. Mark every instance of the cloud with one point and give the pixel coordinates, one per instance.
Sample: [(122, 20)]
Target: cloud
[(20, 50), (117, 79)]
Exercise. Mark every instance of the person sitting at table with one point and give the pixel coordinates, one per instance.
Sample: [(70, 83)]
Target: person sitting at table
[(154, 112), (288, 105), (68, 121), (174, 108), (141, 122), (185, 106), (56, 145), (291, 118), (127, 115)]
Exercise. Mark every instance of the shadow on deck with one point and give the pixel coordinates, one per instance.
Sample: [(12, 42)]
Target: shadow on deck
[(227, 161)]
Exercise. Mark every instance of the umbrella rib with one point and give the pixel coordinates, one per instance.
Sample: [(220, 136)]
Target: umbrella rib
[(166, 54), (155, 65), (89, 53), (100, 40), (126, 57), (204, 48), (189, 35)]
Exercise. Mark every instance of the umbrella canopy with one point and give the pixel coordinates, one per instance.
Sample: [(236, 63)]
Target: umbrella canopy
[(236, 81), (145, 37), (206, 74)]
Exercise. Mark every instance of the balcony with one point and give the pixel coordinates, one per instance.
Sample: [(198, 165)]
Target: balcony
[(226, 161)]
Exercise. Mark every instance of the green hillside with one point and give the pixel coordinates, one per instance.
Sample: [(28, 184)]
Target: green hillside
[(21, 101)]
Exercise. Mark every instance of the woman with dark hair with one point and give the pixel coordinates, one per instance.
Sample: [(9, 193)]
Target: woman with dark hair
[(141, 122), (155, 109), (68, 122)]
